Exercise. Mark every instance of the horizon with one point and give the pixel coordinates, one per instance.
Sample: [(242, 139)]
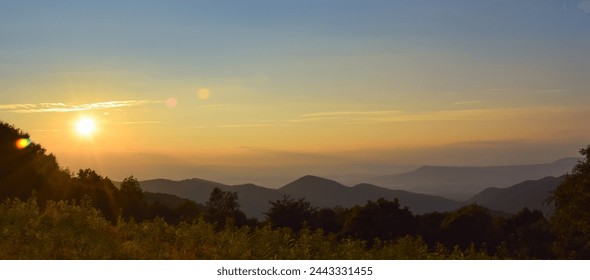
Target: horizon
[(227, 91)]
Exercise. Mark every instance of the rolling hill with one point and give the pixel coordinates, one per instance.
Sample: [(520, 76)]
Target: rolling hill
[(321, 192), (532, 194), (461, 183)]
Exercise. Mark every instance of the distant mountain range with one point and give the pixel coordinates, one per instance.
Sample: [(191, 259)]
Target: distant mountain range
[(532, 194), (254, 200), (461, 183), (322, 192)]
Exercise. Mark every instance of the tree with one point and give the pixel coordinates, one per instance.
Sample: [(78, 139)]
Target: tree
[(571, 220), (26, 168), (100, 190), (187, 211), (383, 219), (528, 235), (467, 225), (223, 207), (291, 213), (132, 199)]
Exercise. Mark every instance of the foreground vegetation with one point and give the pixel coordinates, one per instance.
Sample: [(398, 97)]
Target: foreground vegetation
[(78, 231)]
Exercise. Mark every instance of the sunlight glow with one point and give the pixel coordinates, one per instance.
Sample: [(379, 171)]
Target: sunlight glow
[(85, 126)]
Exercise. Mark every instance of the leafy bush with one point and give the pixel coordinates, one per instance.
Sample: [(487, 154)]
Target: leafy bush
[(76, 230)]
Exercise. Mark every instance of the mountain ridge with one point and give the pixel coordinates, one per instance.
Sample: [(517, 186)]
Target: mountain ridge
[(463, 182), (321, 192)]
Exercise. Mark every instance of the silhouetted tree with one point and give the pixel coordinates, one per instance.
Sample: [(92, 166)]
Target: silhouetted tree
[(429, 227), (571, 220), (291, 213), (132, 199), (528, 235), (101, 190), (469, 224), (187, 211), (330, 220), (223, 207), (383, 219), (26, 168)]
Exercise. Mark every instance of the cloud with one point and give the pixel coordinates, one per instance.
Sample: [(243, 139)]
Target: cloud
[(212, 106), (368, 117), (584, 6), (235, 126), (468, 102), (69, 107), (350, 113), (142, 122)]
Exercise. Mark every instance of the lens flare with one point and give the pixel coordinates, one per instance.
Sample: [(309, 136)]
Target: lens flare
[(203, 93), (22, 143), (171, 102)]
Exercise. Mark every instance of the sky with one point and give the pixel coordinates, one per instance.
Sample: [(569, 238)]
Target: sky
[(242, 91)]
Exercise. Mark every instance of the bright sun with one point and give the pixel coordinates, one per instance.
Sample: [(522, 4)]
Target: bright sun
[(85, 126)]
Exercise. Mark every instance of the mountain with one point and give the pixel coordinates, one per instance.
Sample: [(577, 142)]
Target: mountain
[(321, 192), (169, 200), (197, 190), (252, 198), (460, 183), (532, 194)]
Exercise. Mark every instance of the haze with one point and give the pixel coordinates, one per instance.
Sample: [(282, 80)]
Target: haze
[(267, 91)]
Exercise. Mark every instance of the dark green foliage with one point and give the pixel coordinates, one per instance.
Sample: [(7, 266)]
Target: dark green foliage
[(187, 211), (329, 220), (223, 207), (101, 191), (77, 231), (28, 170), (528, 235), (571, 220), (383, 219), (470, 224), (132, 200), (429, 227), (291, 213)]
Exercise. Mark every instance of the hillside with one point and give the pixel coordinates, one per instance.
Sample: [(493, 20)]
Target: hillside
[(461, 183), (321, 192), (253, 199), (532, 194)]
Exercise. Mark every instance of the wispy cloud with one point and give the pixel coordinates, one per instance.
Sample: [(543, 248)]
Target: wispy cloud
[(349, 113), (468, 102), (142, 122), (235, 126), (212, 106), (367, 117), (69, 107)]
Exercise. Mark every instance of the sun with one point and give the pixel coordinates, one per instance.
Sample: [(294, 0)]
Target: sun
[(86, 127)]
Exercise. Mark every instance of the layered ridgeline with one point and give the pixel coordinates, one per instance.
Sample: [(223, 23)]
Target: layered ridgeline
[(532, 194), (321, 192), (461, 183)]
